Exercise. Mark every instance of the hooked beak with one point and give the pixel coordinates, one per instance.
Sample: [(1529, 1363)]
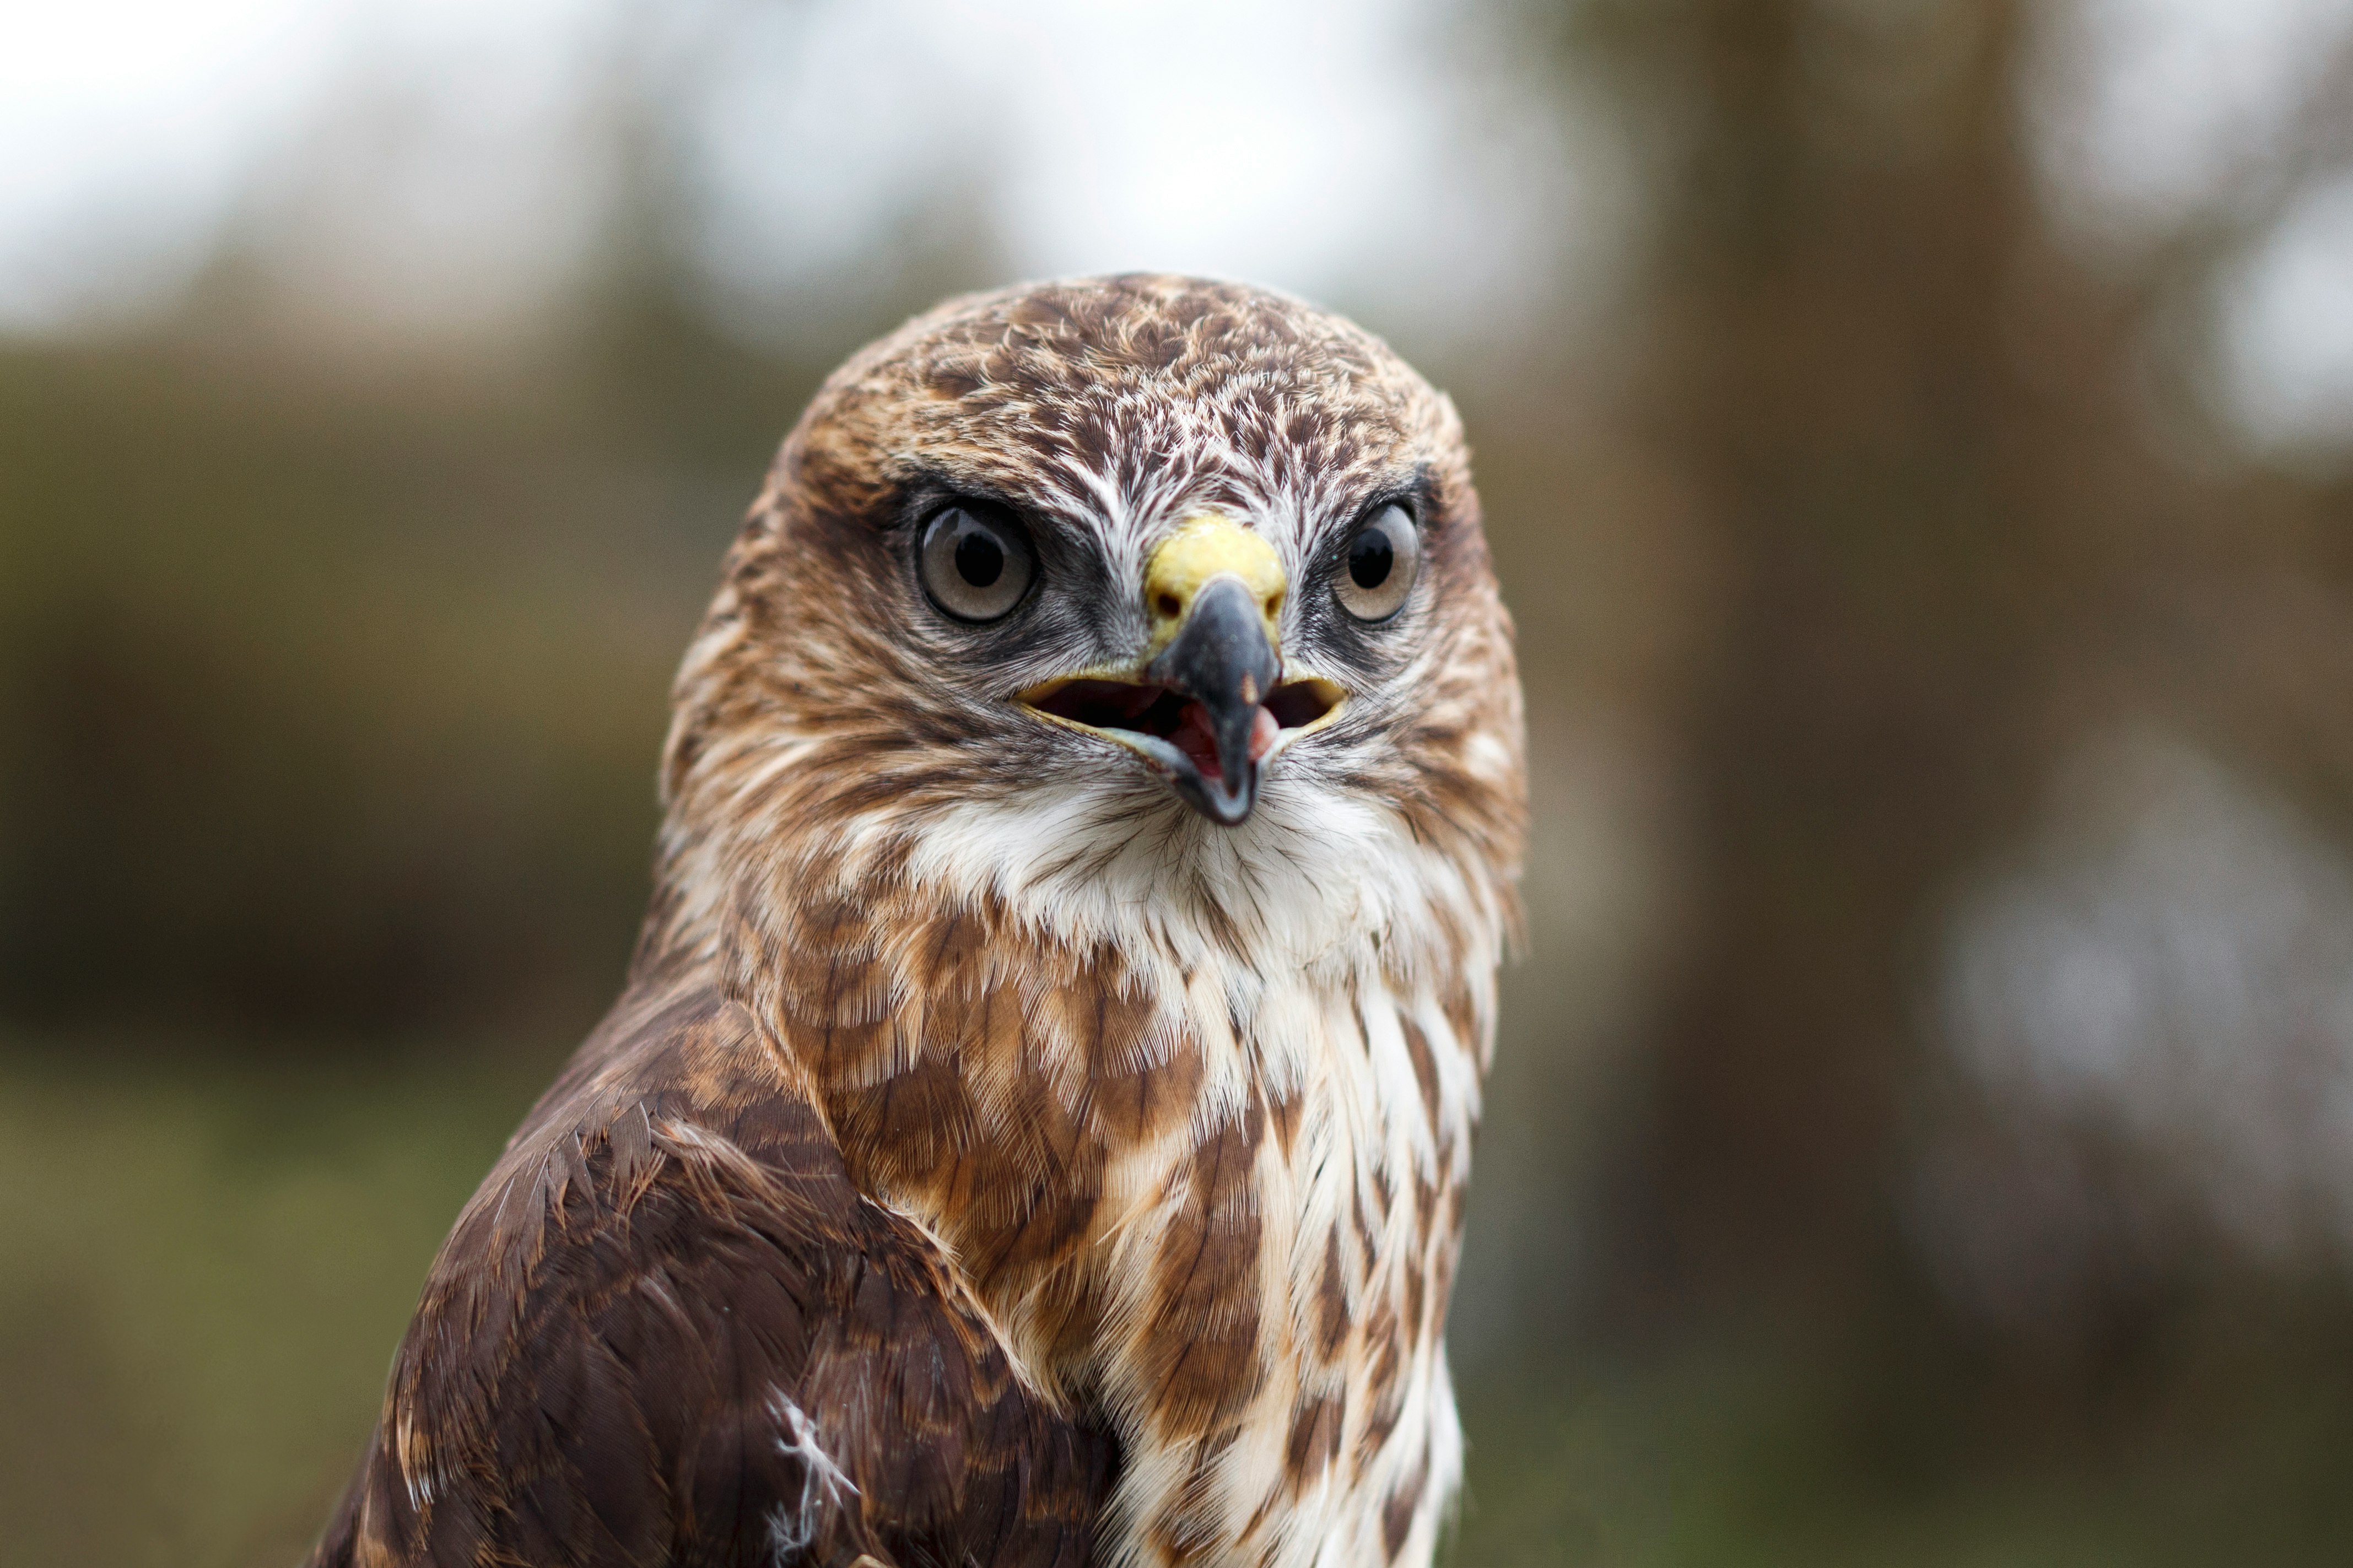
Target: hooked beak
[(1207, 705), (1223, 660)]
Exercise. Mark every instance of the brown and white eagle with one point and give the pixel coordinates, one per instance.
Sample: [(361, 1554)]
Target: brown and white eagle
[(1036, 1127)]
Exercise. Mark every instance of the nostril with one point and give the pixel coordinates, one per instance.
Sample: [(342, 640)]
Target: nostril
[(1169, 605), (1274, 603)]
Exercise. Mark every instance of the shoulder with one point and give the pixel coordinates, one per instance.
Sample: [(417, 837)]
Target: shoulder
[(666, 1326)]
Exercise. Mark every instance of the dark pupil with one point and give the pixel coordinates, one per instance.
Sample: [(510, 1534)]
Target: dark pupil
[(1370, 557), (980, 560)]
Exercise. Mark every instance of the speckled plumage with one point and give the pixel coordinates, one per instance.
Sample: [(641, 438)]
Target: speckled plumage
[(991, 1161)]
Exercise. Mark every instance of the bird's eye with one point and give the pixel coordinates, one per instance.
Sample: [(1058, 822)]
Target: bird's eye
[(975, 564), (1382, 561)]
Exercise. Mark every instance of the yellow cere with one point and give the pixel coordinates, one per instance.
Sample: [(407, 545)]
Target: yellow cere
[(1207, 545)]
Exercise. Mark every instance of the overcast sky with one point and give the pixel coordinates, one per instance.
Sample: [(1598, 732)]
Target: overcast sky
[(1320, 145), (1366, 150)]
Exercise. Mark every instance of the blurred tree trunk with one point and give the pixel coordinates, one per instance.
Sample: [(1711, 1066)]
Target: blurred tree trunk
[(1902, 418)]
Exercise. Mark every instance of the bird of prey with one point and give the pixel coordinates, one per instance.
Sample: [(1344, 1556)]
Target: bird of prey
[(1035, 1130)]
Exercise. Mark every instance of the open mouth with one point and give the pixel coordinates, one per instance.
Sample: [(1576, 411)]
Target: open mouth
[(1176, 731), (1209, 709)]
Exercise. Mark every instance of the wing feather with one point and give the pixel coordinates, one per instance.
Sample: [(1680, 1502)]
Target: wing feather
[(669, 1330)]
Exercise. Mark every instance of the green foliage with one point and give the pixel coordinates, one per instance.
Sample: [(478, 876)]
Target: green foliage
[(208, 1266), (333, 703)]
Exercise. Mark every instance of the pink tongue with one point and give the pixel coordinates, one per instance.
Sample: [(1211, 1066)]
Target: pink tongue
[(1193, 738), (1263, 730)]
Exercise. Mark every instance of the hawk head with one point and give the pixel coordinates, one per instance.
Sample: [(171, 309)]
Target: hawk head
[(1120, 594)]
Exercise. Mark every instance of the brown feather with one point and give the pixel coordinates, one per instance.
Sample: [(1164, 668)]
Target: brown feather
[(991, 1164)]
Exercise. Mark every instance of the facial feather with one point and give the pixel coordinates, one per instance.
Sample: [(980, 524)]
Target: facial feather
[(825, 704)]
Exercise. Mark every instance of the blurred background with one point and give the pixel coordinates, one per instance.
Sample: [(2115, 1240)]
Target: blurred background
[(1918, 442)]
